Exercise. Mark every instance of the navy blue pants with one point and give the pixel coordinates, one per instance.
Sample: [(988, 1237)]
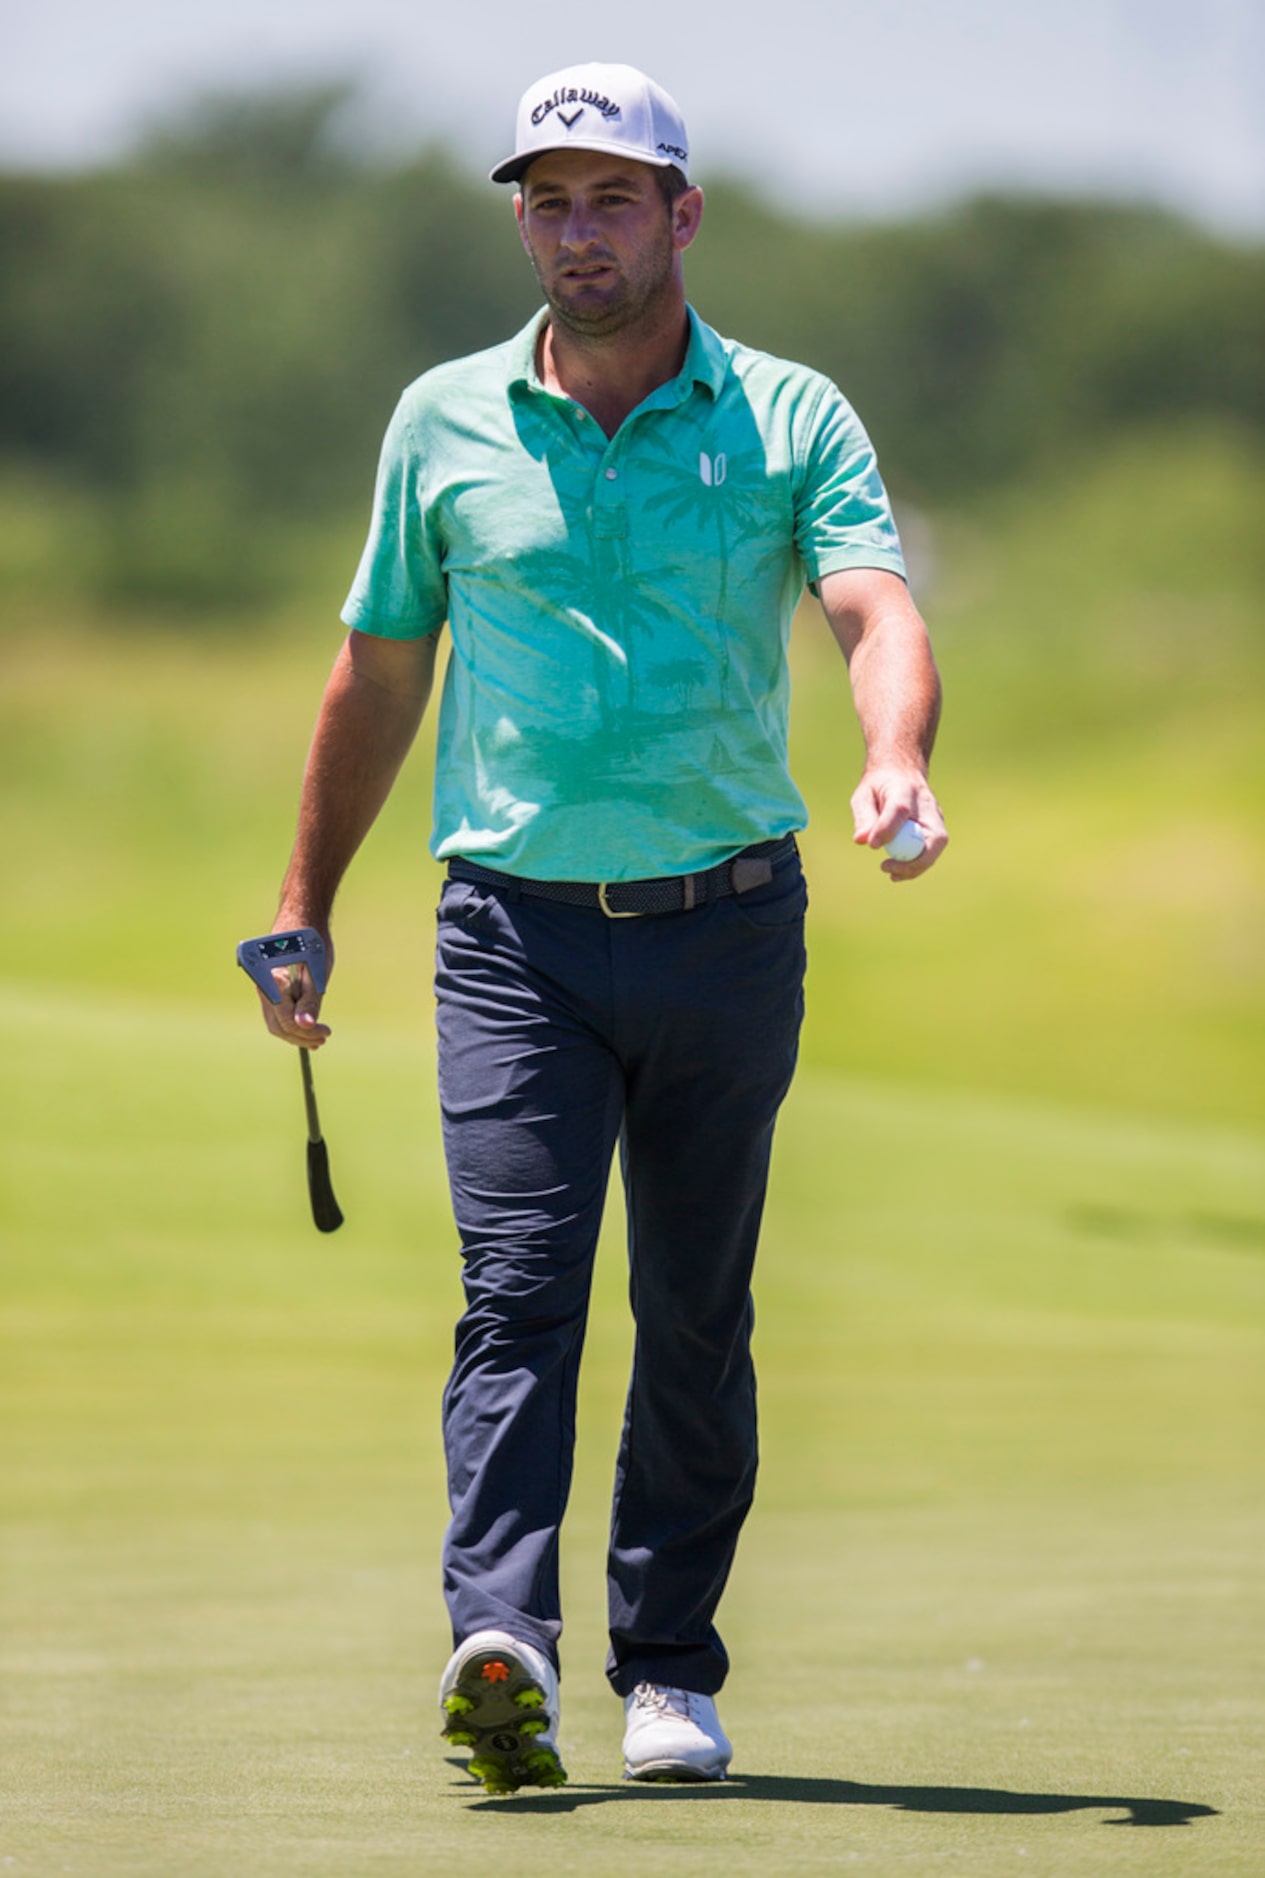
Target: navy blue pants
[(561, 1033)]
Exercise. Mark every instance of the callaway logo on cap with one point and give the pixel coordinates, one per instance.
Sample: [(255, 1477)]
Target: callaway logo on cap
[(614, 108)]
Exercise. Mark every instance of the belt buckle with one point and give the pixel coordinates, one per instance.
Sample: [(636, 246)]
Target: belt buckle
[(606, 906)]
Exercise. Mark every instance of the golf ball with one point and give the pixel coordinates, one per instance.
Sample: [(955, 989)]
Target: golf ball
[(907, 843)]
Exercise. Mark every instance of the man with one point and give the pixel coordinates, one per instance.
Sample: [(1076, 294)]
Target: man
[(615, 512)]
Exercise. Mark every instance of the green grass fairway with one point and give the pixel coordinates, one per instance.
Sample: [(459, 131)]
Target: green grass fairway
[(999, 1609)]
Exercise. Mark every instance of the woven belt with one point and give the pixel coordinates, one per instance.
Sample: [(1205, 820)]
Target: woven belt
[(625, 899)]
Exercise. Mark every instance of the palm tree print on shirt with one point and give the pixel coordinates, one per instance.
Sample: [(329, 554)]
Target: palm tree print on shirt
[(718, 493)]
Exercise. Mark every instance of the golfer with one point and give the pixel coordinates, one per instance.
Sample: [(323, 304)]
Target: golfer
[(615, 512)]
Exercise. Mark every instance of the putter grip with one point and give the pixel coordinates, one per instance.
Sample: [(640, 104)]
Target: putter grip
[(325, 1208)]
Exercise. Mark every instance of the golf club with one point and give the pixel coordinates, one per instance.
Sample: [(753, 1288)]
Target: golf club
[(257, 958)]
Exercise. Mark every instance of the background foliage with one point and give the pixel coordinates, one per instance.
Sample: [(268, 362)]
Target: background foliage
[(199, 349)]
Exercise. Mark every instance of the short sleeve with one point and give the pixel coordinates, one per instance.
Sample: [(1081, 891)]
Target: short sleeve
[(399, 591), (842, 515)]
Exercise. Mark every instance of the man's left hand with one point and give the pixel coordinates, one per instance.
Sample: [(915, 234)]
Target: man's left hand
[(887, 797)]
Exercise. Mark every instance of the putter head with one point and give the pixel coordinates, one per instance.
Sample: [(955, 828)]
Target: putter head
[(259, 958)]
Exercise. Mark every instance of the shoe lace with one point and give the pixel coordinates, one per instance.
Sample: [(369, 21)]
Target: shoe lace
[(664, 1700)]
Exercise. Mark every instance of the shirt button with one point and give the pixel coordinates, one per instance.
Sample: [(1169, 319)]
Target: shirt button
[(611, 475)]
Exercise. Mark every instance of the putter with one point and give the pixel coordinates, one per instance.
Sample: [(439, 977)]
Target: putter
[(257, 958)]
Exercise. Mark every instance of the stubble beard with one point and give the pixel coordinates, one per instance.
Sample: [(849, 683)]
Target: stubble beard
[(634, 298)]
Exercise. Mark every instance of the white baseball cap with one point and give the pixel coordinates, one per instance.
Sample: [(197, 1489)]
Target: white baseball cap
[(614, 108)]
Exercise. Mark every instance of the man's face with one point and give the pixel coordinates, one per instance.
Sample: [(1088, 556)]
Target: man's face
[(604, 244)]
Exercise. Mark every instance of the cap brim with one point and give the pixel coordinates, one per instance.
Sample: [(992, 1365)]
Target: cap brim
[(513, 168)]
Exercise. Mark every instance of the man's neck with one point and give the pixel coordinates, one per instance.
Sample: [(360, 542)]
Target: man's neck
[(610, 377)]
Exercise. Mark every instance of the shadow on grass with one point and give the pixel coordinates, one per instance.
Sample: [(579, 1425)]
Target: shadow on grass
[(793, 1791)]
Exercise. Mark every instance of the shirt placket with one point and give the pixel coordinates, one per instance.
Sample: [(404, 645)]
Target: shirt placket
[(608, 511)]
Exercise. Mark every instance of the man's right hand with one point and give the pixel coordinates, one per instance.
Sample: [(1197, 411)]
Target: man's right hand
[(296, 1019)]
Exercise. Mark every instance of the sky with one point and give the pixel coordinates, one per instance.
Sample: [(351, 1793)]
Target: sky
[(857, 110)]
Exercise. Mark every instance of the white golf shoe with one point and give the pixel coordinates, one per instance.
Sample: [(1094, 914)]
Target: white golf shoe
[(500, 1697), (673, 1734)]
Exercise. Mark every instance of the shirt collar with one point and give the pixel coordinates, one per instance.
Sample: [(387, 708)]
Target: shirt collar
[(522, 354), (705, 361)]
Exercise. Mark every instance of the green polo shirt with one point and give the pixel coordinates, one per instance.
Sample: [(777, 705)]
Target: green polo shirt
[(617, 697)]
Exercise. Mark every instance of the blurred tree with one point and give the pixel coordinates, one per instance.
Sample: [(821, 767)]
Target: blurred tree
[(1003, 334), (304, 136), (211, 335), (88, 306)]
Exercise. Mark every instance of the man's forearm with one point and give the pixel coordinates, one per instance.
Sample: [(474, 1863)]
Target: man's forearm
[(896, 690), (373, 704), (895, 684)]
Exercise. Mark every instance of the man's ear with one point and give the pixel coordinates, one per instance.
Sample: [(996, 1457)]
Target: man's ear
[(687, 215), (518, 217)]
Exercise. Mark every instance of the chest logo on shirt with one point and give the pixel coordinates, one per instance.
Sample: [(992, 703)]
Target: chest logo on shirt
[(713, 469)]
